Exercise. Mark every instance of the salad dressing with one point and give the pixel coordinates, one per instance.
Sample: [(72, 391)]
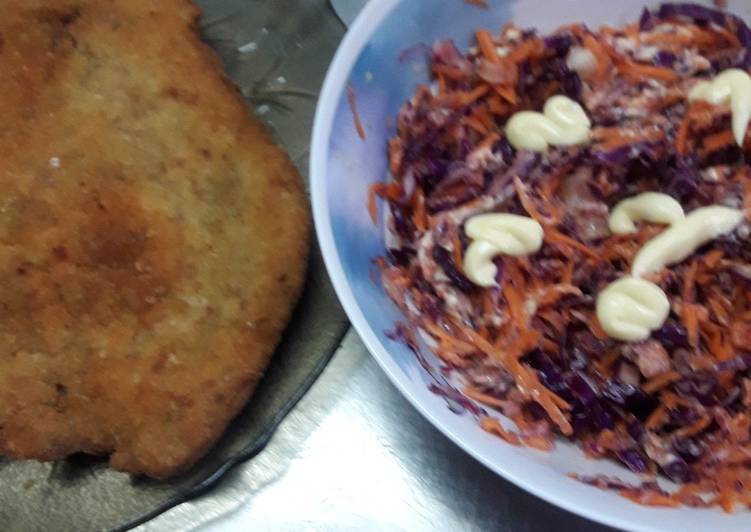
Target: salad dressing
[(685, 237), (495, 234), (631, 308), (731, 86), (653, 207), (563, 122)]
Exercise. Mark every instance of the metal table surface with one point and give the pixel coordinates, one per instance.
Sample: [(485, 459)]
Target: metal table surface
[(354, 454)]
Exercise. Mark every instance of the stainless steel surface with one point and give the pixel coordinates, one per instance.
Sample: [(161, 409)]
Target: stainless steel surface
[(347, 10), (354, 455)]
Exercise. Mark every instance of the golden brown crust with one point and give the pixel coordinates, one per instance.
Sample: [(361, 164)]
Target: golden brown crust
[(153, 240)]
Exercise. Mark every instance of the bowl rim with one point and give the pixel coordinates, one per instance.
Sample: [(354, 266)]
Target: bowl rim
[(337, 77)]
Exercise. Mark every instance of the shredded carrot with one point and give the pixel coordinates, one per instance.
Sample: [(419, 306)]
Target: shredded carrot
[(472, 96), (596, 328), (488, 424), (550, 187), (633, 32), (718, 141), (496, 106), (514, 273), (507, 93), (710, 35), (489, 140), (488, 304), (487, 46), (704, 114), (476, 395), (540, 443), (419, 217), (600, 53), (568, 273), (445, 337), (704, 39), (372, 205), (688, 310), (353, 109), (482, 115), (513, 291), (656, 417), (526, 201), (526, 378), (550, 402), (668, 100), (649, 498), (516, 305), (695, 428), (392, 191), (672, 400), (720, 313), (699, 113), (475, 124), (559, 401), (689, 489), (449, 72), (725, 501), (687, 292), (530, 48), (549, 346), (609, 360), (551, 294), (395, 155), (726, 481), (681, 137), (559, 238), (691, 322), (661, 381), (441, 80), (746, 194), (456, 251), (640, 72), (713, 258), (610, 138), (717, 345)]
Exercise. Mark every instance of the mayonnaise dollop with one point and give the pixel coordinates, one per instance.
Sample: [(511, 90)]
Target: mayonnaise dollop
[(731, 86), (563, 122), (581, 60), (685, 237), (631, 308), (498, 234), (653, 207)]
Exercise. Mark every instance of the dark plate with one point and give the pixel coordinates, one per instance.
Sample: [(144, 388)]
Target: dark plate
[(277, 51)]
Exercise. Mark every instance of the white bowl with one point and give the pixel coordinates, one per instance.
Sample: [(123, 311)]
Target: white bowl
[(373, 60)]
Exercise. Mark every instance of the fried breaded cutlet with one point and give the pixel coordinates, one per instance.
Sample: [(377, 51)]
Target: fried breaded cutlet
[(153, 240)]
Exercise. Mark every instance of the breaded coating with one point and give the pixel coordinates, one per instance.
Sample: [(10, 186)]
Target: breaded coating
[(153, 240)]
